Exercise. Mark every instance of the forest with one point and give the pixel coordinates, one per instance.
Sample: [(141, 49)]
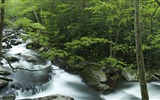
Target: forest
[(91, 38)]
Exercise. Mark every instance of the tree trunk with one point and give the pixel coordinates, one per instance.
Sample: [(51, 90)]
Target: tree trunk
[(1, 24), (139, 53), (34, 11)]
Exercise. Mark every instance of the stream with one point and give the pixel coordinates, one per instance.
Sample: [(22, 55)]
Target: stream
[(53, 80)]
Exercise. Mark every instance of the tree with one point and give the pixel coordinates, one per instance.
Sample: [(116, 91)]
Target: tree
[(139, 53), (1, 23)]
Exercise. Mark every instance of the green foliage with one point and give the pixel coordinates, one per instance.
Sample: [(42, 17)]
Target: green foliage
[(24, 22), (112, 62), (85, 41), (124, 48), (53, 53), (74, 59), (88, 30), (156, 41), (63, 8)]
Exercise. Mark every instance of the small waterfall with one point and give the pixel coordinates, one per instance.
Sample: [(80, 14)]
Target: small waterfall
[(63, 83), (32, 91)]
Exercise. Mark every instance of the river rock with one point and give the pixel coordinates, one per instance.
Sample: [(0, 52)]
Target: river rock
[(12, 59), (4, 39), (3, 83), (7, 46), (4, 71), (31, 59), (130, 74), (103, 88), (13, 36), (54, 97), (94, 77), (8, 97), (15, 42), (5, 78)]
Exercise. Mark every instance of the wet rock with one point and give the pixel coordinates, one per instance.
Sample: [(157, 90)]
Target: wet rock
[(42, 49), (77, 68), (130, 74), (13, 36), (32, 45), (3, 83), (94, 77), (5, 78), (1, 63), (4, 71), (3, 51), (54, 97), (31, 59), (12, 59), (16, 86), (7, 46), (4, 39), (103, 88), (15, 42), (8, 97), (153, 75)]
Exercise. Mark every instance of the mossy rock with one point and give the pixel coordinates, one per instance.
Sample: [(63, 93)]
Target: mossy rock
[(103, 88), (94, 78), (130, 74)]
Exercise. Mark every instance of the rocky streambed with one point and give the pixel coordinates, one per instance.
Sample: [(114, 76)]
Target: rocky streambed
[(25, 60)]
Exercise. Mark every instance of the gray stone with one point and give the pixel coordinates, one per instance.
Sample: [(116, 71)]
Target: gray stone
[(8, 97), (4, 71), (130, 74), (31, 59), (100, 75), (4, 39), (5, 78), (15, 42), (3, 83), (94, 77), (103, 88), (12, 59), (8, 46)]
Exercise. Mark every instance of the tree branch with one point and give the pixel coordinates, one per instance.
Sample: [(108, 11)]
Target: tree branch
[(15, 69), (157, 2), (155, 11)]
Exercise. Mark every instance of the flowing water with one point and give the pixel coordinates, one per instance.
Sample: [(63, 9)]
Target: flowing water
[(33, 84)]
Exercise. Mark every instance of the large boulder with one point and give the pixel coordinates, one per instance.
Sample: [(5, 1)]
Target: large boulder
[(94, 77), (130, 74), (97, 79)]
